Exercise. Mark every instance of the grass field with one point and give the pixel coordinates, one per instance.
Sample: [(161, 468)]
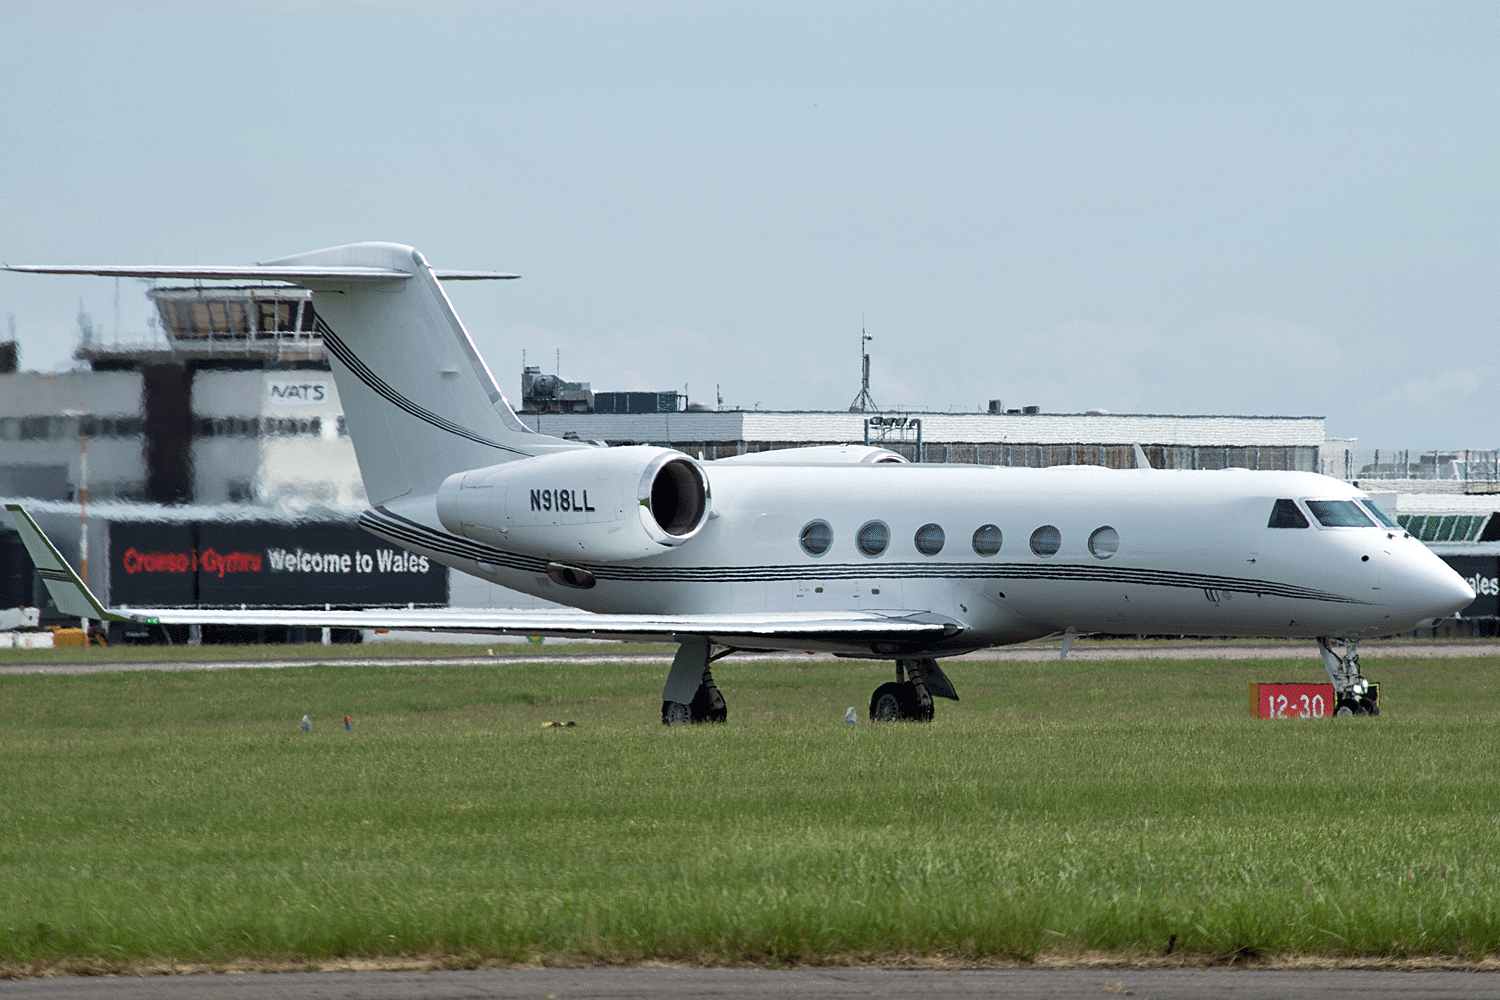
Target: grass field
[(1132, 808)]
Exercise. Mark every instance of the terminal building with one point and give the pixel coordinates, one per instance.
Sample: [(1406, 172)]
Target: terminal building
[(222, 435)]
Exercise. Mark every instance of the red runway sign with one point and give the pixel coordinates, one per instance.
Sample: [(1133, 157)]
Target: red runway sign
[(1291, 701)]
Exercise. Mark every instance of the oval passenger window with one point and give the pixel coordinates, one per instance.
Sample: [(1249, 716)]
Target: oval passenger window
[(873, 537), (1046, 540), (929, 539), (987, 539), (816, 538), (1104, 542)]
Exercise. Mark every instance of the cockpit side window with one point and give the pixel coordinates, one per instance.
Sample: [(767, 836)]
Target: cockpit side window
[(1286, 515), (1373, 509), (1339, 514)]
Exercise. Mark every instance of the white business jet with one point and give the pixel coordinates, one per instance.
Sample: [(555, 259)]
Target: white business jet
[(850, 550)]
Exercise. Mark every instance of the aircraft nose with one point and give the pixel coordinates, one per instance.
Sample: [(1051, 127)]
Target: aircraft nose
[(1460, 592), (1448, 592), (1421, 588)]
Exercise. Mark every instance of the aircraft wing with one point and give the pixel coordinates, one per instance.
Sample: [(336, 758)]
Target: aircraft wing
[(786, 630), (770, 631)]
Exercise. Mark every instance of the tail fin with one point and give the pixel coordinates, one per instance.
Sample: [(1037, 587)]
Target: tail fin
[(419, 401)]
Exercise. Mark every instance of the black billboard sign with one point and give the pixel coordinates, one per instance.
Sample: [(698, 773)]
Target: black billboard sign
[(152, 565), (266, 565)]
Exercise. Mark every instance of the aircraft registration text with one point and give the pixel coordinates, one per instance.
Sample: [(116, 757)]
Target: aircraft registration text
[(564, 499)]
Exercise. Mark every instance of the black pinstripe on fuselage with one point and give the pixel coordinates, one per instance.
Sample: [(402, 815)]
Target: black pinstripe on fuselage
[(406, 532)]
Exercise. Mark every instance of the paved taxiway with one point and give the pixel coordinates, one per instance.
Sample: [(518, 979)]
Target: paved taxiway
[(1083, 651), (743, 984)]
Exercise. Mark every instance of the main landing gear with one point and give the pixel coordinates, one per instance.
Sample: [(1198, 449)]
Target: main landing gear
[(1352, 693), (690, 694), (909, 696)]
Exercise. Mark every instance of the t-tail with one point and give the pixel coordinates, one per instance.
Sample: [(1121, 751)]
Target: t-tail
[(419, 402)]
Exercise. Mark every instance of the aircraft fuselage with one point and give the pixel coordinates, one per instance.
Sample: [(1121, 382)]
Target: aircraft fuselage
[(1097, 550)]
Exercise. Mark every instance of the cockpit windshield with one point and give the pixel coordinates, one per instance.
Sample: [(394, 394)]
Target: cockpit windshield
[(1374, 511), (1286, 515), (1339, 514)]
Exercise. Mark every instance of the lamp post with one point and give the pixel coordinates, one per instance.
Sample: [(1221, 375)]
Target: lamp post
[(81, 415)]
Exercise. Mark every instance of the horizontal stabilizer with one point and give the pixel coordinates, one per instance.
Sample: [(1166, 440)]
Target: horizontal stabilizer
[(252, 272), (447, 274)]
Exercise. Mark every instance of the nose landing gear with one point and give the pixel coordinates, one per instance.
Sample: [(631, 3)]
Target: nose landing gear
[(1353, 694)]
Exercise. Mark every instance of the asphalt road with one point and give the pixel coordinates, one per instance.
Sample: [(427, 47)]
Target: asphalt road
[(1083, 651), (818, 984)]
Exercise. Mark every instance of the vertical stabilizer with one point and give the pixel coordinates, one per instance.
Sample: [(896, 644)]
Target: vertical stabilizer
[(419, 402)]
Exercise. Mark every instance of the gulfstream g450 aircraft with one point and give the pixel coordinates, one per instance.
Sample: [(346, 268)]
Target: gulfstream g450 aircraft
[(843, 549)]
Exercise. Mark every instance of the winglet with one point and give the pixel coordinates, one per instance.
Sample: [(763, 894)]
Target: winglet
[(1141, 461), (69, 593)]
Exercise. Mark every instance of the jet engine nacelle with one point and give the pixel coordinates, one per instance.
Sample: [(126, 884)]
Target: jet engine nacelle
[(589, 503)]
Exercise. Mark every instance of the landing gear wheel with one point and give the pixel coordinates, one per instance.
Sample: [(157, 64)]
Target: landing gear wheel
[(897, 701), (1354, 693), (886, 703), (921, 709), (708, 704), (705, 703)]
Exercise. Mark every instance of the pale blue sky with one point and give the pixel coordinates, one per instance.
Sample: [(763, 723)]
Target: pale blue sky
[(1165, 208)]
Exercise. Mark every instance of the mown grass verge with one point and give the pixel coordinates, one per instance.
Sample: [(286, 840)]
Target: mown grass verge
[(1132, 808)]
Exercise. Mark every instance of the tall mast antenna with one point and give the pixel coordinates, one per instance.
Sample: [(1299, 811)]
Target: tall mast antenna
[(864, 402)]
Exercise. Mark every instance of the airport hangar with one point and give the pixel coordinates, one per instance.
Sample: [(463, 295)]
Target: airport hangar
[(216, 470)]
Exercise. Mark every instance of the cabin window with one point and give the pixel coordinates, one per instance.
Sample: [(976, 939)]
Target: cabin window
[(1104, 542), (1046, 540), (873, 537), (929, 539), (1374, 511), (1286, 515), (1339, 514), (817, 536), (987, 539)]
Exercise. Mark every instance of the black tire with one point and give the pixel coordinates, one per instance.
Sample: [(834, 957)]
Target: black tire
[(920, 712), (898, 702), (1347, 707), (889, 703), (1370, 706), (708, 708), (675, 713)]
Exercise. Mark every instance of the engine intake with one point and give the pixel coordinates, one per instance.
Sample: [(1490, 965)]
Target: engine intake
[(679, 497), (595, 504)]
